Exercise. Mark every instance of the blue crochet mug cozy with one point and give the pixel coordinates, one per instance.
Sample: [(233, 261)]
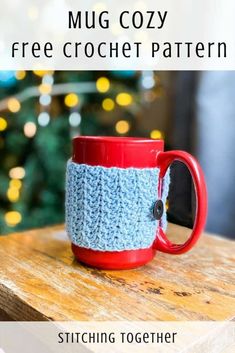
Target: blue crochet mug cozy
[(116, 192)]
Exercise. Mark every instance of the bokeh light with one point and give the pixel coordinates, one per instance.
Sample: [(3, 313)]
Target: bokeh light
[(45, 88), (17, 173), (71, 100), (15, 183), (124, 99), (156, 134), (122, 126), (45, 99), (108, 104), (20, 75), (43, 119), (12, 218), (41, 73), (13, 194), (148, 82), (3, 124), (30, 129), (13, 105), (48, 79), (103, 84), (75, 119)]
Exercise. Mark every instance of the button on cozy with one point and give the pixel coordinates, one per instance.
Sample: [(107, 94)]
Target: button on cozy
[(158, 209), (111, 209)]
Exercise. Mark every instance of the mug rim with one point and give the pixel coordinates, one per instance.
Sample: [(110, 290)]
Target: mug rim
[(115, 139)]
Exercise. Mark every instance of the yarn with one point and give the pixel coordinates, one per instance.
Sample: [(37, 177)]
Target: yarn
[(111, 209)]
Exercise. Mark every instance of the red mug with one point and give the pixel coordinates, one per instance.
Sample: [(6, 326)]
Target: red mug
[(137, 153)]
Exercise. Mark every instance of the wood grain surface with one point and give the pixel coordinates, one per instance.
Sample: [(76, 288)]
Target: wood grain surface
[(40, 280)]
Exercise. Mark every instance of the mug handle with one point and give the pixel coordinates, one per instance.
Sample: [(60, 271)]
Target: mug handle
[(164, 159)]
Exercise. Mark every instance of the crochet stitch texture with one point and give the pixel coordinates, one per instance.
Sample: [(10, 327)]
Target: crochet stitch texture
[(111, 209)]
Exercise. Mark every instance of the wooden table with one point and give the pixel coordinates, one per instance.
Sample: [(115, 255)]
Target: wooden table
[(40, 280)]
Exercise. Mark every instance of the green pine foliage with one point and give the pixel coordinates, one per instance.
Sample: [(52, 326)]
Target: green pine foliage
[(44, 156)]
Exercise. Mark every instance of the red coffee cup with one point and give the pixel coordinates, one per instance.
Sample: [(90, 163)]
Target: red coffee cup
[(130, 152)]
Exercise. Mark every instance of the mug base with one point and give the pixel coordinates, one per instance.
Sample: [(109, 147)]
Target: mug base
[(113, 260)]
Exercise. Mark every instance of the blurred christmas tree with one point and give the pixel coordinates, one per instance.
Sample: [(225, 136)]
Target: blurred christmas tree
[(39, 114)]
